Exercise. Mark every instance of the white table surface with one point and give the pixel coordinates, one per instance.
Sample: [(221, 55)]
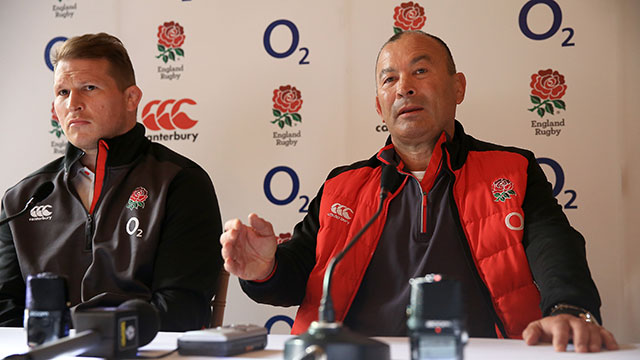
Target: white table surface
[(13, 340)]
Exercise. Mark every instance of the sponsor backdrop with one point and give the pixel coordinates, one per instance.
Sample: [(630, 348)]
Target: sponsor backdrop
[(268, 96)]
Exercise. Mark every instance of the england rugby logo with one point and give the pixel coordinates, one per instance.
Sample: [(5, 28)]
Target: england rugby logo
[(170, 39), (408, 16), (547, 89), (57, 129), (502, 190), (137, 198), (287, 101)]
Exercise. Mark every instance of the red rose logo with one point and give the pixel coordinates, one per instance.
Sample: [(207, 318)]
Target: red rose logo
[(287, 101), (137, 198), (57, 129), (547, 85), (170, 38), (408, 16), (171, 34), (502, 189)]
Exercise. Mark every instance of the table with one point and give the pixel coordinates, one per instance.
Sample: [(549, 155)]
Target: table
[(13, 340)]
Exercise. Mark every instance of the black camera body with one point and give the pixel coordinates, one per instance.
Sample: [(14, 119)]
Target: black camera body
[(435, 319), (46, 315)]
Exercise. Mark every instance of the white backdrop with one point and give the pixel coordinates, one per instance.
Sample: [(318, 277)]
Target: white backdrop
[(326, 50)]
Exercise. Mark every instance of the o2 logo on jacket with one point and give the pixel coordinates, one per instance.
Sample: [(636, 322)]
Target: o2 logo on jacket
[(523, 20), (558, 185), (293, 45), (51, 48), (293, 194)]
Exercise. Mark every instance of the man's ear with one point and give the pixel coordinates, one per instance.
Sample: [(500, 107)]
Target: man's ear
[(132, 96), (461, 87), (378, 109)]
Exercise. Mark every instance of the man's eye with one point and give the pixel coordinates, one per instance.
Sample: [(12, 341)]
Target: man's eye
[(421, 71), (91, 87), (387, 80), (63, 92)]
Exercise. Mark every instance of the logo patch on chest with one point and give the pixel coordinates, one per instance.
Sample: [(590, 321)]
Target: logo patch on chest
[(341, 212), (502, 190), (137, 198)]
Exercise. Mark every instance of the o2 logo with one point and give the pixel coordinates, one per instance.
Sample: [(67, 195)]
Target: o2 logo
[(295, 188), (559, 182), (555, 26), (295, 40), (133, 227), (277, 318), (47, 50)]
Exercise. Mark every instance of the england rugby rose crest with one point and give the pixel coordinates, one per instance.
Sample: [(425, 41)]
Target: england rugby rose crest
[(287, 101), (502, 190), (57, 129), (408, 16), (170, 39), (547, 89), (137, 198)]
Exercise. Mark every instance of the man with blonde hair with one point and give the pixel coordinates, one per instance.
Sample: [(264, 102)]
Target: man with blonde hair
[(129, 218)]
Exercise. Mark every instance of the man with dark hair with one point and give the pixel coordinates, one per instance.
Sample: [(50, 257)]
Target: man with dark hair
[(481, 213), (128, 218)]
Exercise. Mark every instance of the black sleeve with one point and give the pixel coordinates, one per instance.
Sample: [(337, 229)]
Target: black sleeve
[(188, 258), (294, 261), (12, 285), (555, 250)]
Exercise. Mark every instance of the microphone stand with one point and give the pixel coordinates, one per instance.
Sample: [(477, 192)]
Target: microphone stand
[(327, 339), (26, 208)]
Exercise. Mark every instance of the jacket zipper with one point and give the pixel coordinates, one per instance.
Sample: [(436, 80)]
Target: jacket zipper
[(470, 262), (89, 232), (423, 208), (99, 180)]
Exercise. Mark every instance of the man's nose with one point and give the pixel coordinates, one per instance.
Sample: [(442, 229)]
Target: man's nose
[(405, 87), (75, 102)]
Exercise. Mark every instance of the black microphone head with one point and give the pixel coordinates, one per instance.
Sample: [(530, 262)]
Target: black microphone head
[(46, 291), (44, 190), (148, 319), (387, 178)]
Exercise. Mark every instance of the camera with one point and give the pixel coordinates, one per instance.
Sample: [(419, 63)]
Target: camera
[(435, 319), (46, 315)]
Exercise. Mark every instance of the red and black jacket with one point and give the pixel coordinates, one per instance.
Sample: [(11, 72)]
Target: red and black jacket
[(515, 231)]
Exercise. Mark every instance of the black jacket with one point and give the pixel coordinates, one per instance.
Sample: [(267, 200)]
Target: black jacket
[(163, 248)]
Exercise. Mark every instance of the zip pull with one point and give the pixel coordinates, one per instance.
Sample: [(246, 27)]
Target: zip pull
[(88, 232)]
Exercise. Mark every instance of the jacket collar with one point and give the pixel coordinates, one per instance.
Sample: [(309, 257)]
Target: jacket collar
[(458, 147), (123, 149)]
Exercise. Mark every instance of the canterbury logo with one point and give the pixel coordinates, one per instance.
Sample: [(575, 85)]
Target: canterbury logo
[(165, 118), (41, 212), (341, 212)]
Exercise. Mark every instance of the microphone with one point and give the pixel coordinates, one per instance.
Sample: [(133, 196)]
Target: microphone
[(103, 332), (46, 312), (41, 193), (326, 338)]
